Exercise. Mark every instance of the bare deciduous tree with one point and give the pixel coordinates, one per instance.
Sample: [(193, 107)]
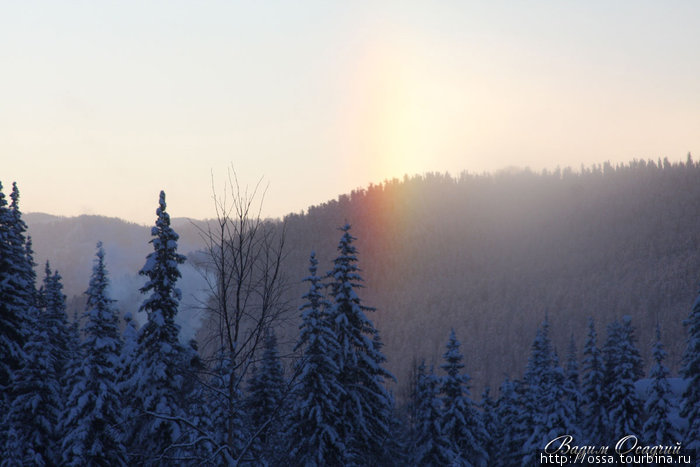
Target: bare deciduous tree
[(242, 266)]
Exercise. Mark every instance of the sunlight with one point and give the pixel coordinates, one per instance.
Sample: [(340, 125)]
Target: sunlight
[(410, 112)]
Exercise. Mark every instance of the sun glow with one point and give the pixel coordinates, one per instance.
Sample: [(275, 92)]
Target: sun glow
[(411, 112)]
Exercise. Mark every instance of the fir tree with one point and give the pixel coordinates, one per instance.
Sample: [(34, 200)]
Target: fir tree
[(266, 396), (552, 412), (91, 426), (460, 422), (690, 402), (563, 397), (658, 429), (30, 272), (594, 412), (624, 367), (365, 407), (195, 391), (535, 395), (611, 356), (572, 387), (32, 419), (53, 303), (492, 426), (127, 370), (312, 435), (508, 432), (158, 374), (227, 412), (431, 446), (129, 336), (17, 292)]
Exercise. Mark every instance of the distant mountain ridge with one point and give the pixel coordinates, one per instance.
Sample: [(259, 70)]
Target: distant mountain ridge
[(68, 243)]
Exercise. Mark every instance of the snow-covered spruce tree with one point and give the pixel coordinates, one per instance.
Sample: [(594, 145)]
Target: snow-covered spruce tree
[(30, 266), (91, 427), (266, 394), (32, 434), (226, 410), (623, 369), (595, 419), (610, 353), (431, 447), (572, 386), (127, 368), (34, 399), (200, 435), (53, 312), (460, 421), (17, 292), (508, 434), (552, 414), (690, 402), (564, 399), (129, 340), (658, 429), (365, 406), (157, 378), (492, 426), (312, 438), (534, 395)]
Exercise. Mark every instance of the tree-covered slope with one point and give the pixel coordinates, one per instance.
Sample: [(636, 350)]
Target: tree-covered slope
[(490, 254)]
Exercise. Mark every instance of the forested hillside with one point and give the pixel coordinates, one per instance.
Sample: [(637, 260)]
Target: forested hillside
[(489, 255)]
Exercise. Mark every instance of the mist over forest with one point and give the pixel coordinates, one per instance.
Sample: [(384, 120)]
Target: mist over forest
[(488, 255)]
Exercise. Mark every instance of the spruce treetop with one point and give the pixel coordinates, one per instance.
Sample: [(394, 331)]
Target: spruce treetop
[(161, 268)]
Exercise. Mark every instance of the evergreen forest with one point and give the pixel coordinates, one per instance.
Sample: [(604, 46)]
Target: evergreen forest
[(523, 312)]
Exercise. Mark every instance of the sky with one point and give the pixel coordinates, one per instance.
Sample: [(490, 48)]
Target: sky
[(103, 104)]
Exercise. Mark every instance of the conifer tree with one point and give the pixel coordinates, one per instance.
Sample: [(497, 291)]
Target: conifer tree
[(158, 374), (265, 400), (33, 416), (312, 437), (624, 368), (491, 424), (31, 396), (53, 312), (594, 412), (658, 429), (535, 396), (200, 433), (30, 266), (365, 406), (17, 291), (129, 336), (508, 432), (227, 413), (610, 351), (690, 402), (552, 414), (92, 419), (563, 397), (572, 386), (127, 369), (460, 422), (431, 446)]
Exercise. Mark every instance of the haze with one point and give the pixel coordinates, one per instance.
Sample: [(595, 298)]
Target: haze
[(105, 103)]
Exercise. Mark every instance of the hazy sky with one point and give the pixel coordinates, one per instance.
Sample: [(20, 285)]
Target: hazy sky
[(102, 104)]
